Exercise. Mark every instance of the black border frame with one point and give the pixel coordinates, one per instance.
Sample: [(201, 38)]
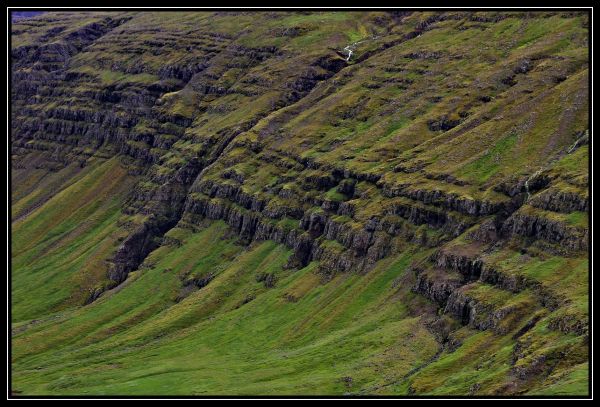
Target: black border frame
[(27, 7)]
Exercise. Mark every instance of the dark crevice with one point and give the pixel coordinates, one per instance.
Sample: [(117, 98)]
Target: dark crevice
[(147, 237)]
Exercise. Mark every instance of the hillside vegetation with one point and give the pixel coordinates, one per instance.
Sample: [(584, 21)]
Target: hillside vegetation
[(233, 203)]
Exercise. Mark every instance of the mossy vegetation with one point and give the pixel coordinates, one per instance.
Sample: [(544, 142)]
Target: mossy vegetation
[(295, 203)]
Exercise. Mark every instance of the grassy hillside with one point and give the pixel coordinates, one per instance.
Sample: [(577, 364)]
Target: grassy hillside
[(205, 205)]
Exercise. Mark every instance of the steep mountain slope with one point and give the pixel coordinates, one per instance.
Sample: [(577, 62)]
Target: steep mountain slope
[(233, 203)]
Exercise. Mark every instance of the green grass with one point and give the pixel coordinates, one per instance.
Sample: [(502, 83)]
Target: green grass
[(573, 382), (58, 250), (210, 343), (235, 336), (579, 219), (334, 195), (487, 165), (314, 331)]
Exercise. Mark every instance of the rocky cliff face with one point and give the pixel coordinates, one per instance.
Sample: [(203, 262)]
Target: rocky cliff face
[(458, 147)]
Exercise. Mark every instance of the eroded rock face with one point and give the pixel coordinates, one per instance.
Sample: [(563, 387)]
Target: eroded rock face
[(447, 201), (558, 201), (442, 124), (469, 267), (132, 119), (509, 282), (330, 155), (547, 229), (268, 279), (437, 289), (478, 315), (133, 251), (420, 215), (569, 325)]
